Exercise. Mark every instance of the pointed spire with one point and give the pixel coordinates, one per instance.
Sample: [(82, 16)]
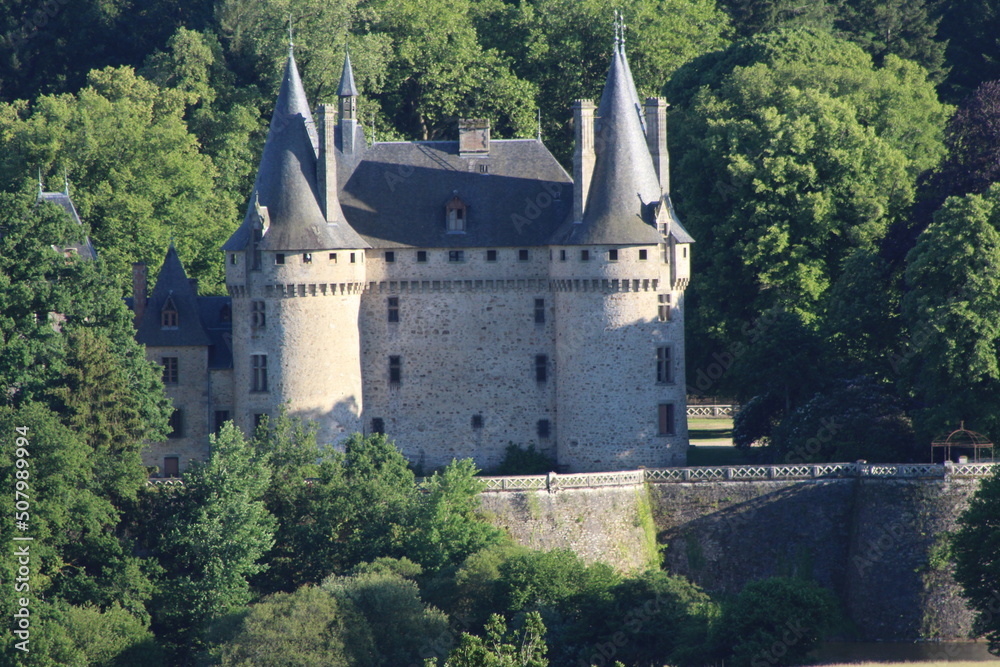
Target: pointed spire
[(173, 287), (347, 87), (625, 192), (291, 37), (287, 184)]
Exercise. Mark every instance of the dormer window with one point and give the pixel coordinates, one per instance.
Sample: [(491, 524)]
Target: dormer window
[(168, 316), (455, 215)]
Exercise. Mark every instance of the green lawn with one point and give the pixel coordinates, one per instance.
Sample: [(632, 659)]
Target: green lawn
[(712, 443)]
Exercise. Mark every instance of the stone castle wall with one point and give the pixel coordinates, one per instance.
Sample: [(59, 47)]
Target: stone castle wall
[(190, 395)]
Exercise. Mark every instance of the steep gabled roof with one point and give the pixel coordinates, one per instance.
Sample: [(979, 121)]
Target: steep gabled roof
[(286, 181), (625, 192), (347, 87), (84, 248), (172, 285)]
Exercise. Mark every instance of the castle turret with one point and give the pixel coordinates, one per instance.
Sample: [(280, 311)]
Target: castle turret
[(295, 271), (619, 334), (347, 93)]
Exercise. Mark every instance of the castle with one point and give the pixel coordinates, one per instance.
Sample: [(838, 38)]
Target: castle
[(456, 295)]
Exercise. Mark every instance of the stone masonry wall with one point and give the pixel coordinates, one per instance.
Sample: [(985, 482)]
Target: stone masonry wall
[(190, 395)]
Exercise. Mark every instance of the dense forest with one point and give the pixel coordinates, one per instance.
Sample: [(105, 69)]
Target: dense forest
[(836, 161)]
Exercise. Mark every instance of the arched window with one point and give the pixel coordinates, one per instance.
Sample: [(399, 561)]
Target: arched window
[(455, 214)]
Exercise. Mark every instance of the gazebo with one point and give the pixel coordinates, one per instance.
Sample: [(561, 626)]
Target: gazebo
[(962, 438)]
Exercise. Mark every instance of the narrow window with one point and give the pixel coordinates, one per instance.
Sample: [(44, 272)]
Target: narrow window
[(522, 255), (378, 425), (257, 253), (353, 257), (395, 370), (539, 311), (258, 315), (642, 254), (491, 255), (664, 372), (171, 370), (613, 255), (421, 255), (541, 367), (456, 255), (584, 255), (562, 255), (393, 303), (221, 417), (477, 421), (390, 256), (232, 258), (279, 258), (666, 421), (168, 316), (544, 428), (685, 252), (171, 466), (333, 257), (258, 367), (663, 309), (307, 258), (176, 424), (484, 169)]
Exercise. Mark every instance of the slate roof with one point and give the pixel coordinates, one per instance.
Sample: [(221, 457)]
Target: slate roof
[(397, 193), (286, 181), (347, 87), (172, 284), (84, 248), (625, 192)]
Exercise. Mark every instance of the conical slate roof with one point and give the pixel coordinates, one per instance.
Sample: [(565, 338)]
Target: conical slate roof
[(286, 182), (347, 87), (624, 190), (172, 285)]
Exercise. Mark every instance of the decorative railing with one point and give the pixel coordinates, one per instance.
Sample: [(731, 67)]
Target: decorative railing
[(553, 482), (712, 410)]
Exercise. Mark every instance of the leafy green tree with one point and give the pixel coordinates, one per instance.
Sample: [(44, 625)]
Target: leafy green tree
[(970, 28), (906, 28), (777, 621), (501, 648), (535, 579), (953, 278), (752, 17), (217, 543), (792, 151), (301, 629), (976, 552)]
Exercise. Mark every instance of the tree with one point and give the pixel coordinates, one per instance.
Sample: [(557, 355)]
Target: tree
[(976, 552), (793, 151), (953, 280), (906, 28), (305, 628), (970, 28), (216, 544), (752, 17), (503, 649)]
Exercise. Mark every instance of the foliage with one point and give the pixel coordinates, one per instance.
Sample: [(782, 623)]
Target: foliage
[(976, 552), (525, 461), (535, 579), (971, 28), (851, 420), (953, 277), (304, 628), (503, 649), (777, 620), (906, 28)]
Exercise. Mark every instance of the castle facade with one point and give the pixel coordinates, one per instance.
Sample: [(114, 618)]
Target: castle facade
[(458, 296)]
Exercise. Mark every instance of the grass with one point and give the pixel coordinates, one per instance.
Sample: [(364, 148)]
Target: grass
[(712, 443)]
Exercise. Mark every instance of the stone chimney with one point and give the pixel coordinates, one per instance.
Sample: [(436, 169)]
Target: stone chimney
[(326, 167), (583, 155), (656, 138), (139, 277), (473, 136)]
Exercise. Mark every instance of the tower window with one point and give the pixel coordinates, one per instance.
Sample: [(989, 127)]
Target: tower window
[(613, 255), (455, 214), (421, 256), (395, 370), (666, 419), (279, 258), (333, 257), (477, 421), (539, 311), (255, 238), (456, 256), (258, 314), (543, 428), (353, 257), (522, 255), (642, 254), (562, 255), (663, 308), (171, 370), (393, 313), (584, 255), (258, 368), (685, 251), (168, 316), (307, 258), (491, 255), (541, 368), (664, 371), (390, 256), (378, 425), (232, 258), (176, 424)]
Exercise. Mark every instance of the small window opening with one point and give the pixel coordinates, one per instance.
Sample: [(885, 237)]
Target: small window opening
[(584, 255), (393, 304), (456, 256), (421, 256), (541, 368), (663, 309), (543, 428), (307, 258), (395, 370), (491, 255), (333, 257), (522, 255), (613, 255), (642, 254), (539, 311), (477, 421), (279, 258), (378, 425), (390, 256)]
